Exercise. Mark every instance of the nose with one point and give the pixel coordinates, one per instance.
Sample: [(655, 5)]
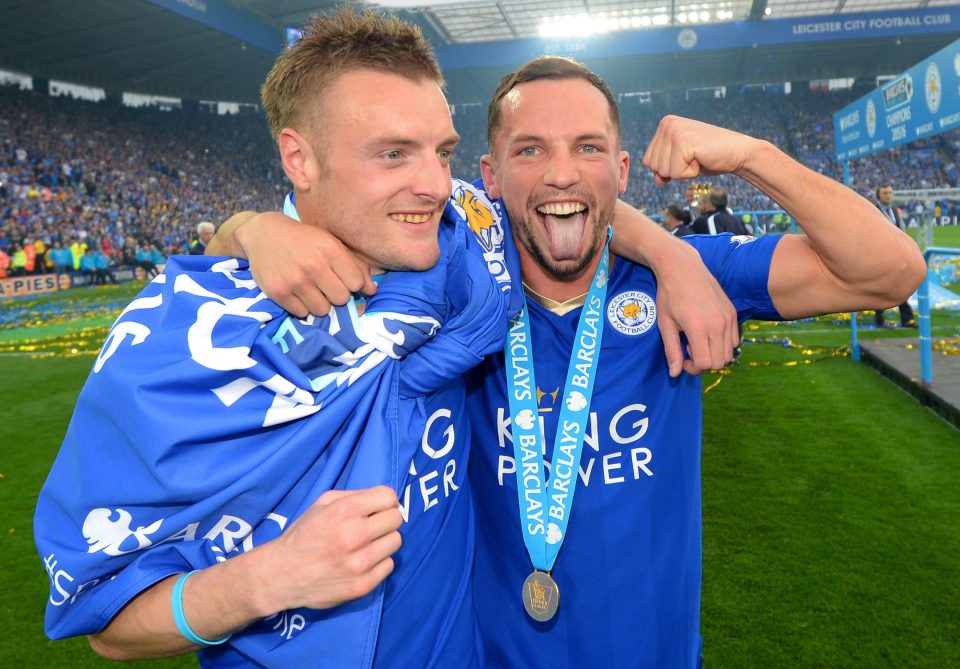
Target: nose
[(562, 171), (433, 180)]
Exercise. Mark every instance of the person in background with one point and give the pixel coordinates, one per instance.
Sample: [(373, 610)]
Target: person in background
[(102, 264), (30, 255), (78, 248), (893, 214), (41, 264), (61, 258), (715, 217), (693, 203), (676, 220), (88, 267), (149, 259), (205, 232), (18, 260)]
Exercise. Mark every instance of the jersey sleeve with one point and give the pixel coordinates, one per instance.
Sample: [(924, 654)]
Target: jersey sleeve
[(741, 265), (481, 285)]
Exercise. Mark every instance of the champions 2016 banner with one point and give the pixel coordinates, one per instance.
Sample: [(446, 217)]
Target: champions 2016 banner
[(212, 419), (923, 101)]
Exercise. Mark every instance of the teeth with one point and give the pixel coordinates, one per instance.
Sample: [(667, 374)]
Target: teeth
[(563, 209), (410, 218)]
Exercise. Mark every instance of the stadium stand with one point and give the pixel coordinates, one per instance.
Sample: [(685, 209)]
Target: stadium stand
[(118, 178), (801, 123), (125, 180)]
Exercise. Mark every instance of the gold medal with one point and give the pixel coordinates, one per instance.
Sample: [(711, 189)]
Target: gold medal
[(541, 596)]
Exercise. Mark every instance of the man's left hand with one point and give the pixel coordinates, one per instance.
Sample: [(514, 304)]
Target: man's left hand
[(690, 300)]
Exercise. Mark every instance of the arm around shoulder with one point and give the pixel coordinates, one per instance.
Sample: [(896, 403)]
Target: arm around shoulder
[(300, 266), (223, 242)]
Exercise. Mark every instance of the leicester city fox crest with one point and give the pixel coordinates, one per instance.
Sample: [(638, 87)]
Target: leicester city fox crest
[(479, 214), (632, 312)]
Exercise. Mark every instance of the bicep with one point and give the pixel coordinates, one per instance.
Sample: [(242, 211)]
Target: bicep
[(800, 284)]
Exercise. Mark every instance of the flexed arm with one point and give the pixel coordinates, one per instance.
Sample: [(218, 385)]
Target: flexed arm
[(850, 258)]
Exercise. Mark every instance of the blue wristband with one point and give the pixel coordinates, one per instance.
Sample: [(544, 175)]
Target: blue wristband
[(181, 622)]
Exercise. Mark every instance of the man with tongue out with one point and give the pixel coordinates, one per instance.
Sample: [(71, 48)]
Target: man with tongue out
[(610, 576)]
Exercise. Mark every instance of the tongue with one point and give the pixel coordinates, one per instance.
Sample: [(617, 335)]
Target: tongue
[(565, 235)]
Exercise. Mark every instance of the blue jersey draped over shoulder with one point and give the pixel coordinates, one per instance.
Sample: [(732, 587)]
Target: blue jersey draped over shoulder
[(629, 569), (212, 419)]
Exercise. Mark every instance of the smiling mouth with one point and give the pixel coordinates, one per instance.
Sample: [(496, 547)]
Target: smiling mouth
[(564, 224), (411, 218)]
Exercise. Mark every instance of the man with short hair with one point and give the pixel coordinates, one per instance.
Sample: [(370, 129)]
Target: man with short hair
[(693, 202), (216, 426), (884, 195), (205, 232), (610, 576), (676, 219), (714, 216)]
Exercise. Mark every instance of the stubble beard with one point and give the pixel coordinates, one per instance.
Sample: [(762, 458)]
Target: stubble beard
[(538, 246)]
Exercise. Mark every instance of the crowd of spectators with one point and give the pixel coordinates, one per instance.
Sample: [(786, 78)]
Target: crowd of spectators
[(124, 182), (801, 123), (131, 185)]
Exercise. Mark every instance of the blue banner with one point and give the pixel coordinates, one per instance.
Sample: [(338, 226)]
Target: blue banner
[(923, 101), (707, 37)]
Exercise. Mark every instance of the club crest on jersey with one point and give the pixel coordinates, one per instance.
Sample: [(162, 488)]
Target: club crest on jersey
[(479, 215), (632, 312)]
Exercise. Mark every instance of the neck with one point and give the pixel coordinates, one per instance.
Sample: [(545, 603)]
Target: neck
[(310, 214), (547, 284)]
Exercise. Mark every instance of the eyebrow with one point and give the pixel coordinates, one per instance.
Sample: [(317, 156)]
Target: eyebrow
[(586, 137), (407, 142)]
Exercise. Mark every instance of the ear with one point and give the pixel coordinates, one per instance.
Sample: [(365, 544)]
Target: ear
[(624, 167), (488, 172), (299, 161)]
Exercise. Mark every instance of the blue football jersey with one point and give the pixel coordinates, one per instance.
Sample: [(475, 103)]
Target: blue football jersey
[(212, 420), (629, 569)]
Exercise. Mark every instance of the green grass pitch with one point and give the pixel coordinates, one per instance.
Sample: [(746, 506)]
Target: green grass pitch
[(831, 504)]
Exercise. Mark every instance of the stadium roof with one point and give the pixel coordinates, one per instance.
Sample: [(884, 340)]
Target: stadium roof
[(463, 21), (156, 46)]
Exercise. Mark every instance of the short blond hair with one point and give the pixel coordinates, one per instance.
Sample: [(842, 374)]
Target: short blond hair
[(294, 90)]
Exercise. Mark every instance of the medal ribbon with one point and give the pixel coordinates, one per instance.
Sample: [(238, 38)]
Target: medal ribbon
[(545, 507)]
